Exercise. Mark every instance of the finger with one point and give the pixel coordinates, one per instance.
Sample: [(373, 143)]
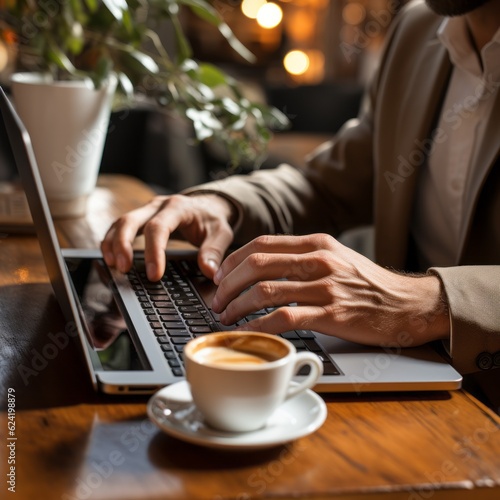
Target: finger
[(157, 232), (269, 294), (117, 244), (285, 319), (265, 266), (213, 249), (274, 244)]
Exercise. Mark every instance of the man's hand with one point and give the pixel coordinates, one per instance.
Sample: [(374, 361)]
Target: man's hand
[(336, 290), (203, 220)]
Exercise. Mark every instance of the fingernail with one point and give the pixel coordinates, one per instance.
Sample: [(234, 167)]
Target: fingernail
[(212, 264), (151, 270)]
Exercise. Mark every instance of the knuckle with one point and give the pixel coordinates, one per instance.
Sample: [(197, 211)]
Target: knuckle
[(174, 199), (153, 226), (256, 260), (264, 290), (324, 259), (262, 241), (286, 316), (324, 241)]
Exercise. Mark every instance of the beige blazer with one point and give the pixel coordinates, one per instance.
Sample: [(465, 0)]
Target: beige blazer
[(368, 172)]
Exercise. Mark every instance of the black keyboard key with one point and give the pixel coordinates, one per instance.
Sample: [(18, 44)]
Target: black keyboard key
[(180, 340), (177, 372), (305, 334), (200, 329), (167, 310), (161, 304), (170, 354), (184, 302), (163, 340), (181, 332), (196, 322), (289, 335), (174, 325), (188, 309), (157, 297), (170, 317), (297, 343), (312, 345), (192, 315), (155, 324), (174, 363)]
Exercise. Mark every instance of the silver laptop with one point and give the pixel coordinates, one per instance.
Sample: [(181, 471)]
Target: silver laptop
[(133, 331)]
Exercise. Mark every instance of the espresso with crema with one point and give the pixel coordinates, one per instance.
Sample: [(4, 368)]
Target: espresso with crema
[(239, 353)]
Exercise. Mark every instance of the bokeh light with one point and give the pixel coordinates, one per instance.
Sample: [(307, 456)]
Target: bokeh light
[(251, 7), (296, 62), (269, 15)]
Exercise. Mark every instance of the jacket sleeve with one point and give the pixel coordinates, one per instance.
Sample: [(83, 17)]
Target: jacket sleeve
[(473, 294)]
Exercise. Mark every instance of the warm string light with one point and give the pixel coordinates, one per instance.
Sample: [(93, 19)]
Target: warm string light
[(251, 7), (267, 14), (302, 65), (296, 62)]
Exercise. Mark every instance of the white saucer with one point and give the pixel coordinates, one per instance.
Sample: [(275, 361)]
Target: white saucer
[(295, 418)]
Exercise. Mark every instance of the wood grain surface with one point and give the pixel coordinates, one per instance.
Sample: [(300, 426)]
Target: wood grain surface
[(75, 444)]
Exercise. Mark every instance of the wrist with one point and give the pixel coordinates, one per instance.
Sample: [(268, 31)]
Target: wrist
[(225, 207), (429, 318)]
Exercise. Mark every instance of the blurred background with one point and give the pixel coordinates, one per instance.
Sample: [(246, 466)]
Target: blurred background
[(313, 61)]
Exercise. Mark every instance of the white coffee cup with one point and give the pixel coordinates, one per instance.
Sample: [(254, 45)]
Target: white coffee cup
[(238, 379)]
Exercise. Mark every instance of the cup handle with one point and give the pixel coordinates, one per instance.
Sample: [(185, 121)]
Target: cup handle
[(303, 359)]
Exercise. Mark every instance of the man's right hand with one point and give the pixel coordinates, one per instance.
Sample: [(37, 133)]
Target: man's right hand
[(202, 219)]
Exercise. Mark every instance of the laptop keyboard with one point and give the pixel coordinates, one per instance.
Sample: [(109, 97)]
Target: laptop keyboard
[(176, 315)]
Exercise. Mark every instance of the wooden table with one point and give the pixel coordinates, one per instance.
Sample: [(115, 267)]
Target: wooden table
[(72, 443)]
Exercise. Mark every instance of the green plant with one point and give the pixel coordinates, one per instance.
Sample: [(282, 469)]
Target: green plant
[(94, 38)]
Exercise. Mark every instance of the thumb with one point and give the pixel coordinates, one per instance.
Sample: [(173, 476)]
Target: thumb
[(212, 252)]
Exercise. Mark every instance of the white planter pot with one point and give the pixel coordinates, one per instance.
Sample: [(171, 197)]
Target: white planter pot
[(67, 123)]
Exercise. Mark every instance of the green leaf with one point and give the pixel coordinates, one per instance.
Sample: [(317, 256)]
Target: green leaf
[(235, 44), (206, 12), (56, 55), (147, 62), (92, 5), (116, 7), (210, 75), (103, 68), (183, 47), (126, 84), (203, 10)]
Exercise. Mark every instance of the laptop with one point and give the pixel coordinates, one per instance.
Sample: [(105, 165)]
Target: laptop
[(133, 331)]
